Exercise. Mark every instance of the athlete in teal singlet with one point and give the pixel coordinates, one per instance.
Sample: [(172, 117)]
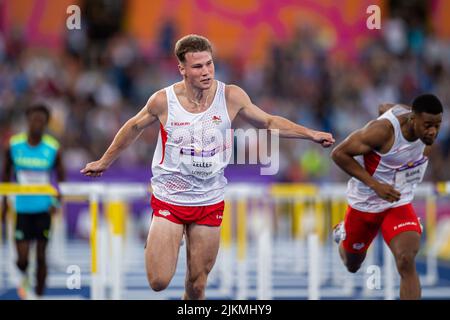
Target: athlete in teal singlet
[(30, 158)]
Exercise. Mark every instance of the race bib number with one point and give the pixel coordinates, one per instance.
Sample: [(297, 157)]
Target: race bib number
[(206, 156), (33, 177), (411, 174), (200, 163)]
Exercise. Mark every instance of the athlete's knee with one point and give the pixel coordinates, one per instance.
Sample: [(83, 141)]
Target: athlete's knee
[(405, 262), (22, 264), (157, 283), (353, 267), (352, 262), (197, 290), (197, 285)]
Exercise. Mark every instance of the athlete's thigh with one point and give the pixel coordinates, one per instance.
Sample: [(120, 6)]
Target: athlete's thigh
[(401, 220), (24, 227), (162, 247), (360, 228), (405, 243), (42, 226), (202, 244)]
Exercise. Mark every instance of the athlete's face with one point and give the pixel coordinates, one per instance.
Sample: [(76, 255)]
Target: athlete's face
[(37, 122), (426, 126), (198, 69)]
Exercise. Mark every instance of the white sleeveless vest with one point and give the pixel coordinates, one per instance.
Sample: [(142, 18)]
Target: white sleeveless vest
[(403, 167), (192, 152)]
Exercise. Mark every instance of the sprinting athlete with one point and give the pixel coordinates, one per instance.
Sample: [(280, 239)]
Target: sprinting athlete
[(387, 159), (188, 180)]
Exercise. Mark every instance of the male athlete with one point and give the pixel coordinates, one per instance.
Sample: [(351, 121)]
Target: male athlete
[(188, 180), (387, 159), (30, 158)]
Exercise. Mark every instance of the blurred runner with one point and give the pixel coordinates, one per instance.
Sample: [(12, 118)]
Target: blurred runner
[(30, 158)]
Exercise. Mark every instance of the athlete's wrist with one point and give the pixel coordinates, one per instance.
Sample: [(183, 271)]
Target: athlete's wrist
[(373, 184), (105, 161), (311, 134)]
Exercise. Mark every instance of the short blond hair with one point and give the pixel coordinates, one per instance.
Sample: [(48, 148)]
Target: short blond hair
[(191, 43)]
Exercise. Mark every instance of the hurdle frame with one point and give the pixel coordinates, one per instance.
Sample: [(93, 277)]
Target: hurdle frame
[(118, 195)]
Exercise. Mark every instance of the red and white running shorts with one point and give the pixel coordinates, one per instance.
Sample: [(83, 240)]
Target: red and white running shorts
[(205, 215), (362, 227)]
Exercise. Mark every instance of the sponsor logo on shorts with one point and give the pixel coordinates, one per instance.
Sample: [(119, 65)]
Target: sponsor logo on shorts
[(404, 224), (218, 217), (19, 235), (358, 246), (164, 213)]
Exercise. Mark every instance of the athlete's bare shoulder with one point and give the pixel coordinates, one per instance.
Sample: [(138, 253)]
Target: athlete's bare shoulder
[(157, 103), (373, 136), (236, 99), (404, 106), (234, 92), (380, 127), (179, 88), (382, 108), (379, 134)]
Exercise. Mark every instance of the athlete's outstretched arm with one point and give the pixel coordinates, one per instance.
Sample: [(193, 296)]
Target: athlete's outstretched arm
[(240, 101), (361, 142), (126, 135)]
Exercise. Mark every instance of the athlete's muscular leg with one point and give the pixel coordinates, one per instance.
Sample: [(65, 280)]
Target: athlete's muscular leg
[(360, 228), (202, 244), (352, 261), (404, 247), (23, 249), (161, 252), (41, 272)]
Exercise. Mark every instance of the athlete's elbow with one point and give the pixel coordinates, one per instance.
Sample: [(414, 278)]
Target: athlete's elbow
[(336, 154), (269, 123), (131, 125), (339, 155)]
